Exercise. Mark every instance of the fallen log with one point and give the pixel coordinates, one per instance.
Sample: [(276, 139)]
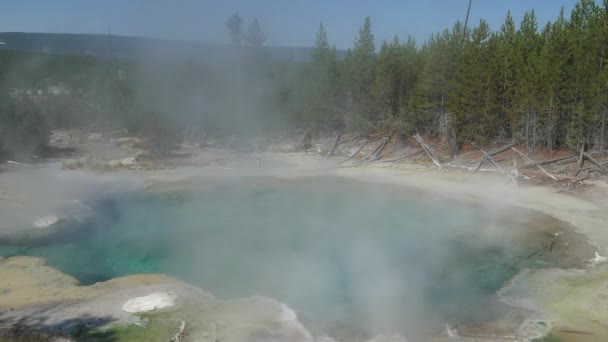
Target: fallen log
[(471, 161), (378, 153), (466, 154), (372, 153), (569, 159), (396, 159), (480, 163), (581, 160), (468, 168), (592, 167), (598, 153), (491, 154), (428, 150), (335, 146), (532, 161), (501, 150), (595, 162), (489, 157), (356, 152)]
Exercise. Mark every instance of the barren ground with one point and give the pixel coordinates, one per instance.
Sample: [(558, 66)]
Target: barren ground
[(574, 301)]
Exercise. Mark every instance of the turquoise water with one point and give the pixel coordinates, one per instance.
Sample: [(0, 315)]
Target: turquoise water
[(345, 256)]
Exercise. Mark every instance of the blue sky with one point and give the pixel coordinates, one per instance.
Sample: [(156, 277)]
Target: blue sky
[(287, 22)]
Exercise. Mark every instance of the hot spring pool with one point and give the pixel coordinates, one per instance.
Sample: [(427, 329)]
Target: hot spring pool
[(346, 256)]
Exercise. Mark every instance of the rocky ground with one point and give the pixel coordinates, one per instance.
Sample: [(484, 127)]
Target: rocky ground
[(41, 298), (35, 200)]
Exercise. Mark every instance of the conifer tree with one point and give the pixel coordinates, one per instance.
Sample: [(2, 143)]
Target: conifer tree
[(324, 82), (473, 99), (506, 65), (234, 24), (255, 36), (361, 76)]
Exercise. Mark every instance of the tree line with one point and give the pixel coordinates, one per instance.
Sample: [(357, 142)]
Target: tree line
[(541, 86), (545, 87)]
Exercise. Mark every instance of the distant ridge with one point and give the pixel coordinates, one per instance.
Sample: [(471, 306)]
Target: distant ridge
[(112, 46)]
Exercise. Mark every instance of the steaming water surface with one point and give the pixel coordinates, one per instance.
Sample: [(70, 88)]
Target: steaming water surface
[(345, 256)]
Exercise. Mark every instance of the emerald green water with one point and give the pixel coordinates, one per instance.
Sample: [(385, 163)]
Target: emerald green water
[(343, 255)]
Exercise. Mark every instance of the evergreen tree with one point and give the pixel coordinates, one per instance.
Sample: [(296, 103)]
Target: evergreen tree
[(506, 69), (473, 100), (526, 123), (323, 76), (437, 80), (255, 36), (321, 51), (553, 64), (361, 77), (234, 24), (583, 53), (388, 80)]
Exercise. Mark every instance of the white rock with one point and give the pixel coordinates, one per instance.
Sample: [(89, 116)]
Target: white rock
[(14, 162), (452, 333), (150, 302), (287, 314), (45, 222), (130, 161), (126, 141), (95, 137), (114, 163), (289, 317), (598, 258)]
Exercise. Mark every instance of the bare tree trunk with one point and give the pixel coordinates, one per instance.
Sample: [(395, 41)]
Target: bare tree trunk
[(532, 161), (428, 151), (335, 146), (527, 132), (603, 131), (550, 138), (581, 160), (448, 132), (595, 162), (348, 115), (356, 152), (534, 130)]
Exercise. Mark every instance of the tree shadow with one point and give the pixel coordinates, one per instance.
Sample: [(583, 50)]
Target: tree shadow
[(42, 325)]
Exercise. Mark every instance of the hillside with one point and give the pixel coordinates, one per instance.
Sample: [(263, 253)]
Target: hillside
[(133, 47)]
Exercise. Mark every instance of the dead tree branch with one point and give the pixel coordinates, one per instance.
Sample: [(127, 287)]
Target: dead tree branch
[(428, 151), (397, 159), (376, 151), (357, 151), (581, 160), (595, 162), (483, 159), (568, 159), (334, 147), (501, 150), (532, 161)]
